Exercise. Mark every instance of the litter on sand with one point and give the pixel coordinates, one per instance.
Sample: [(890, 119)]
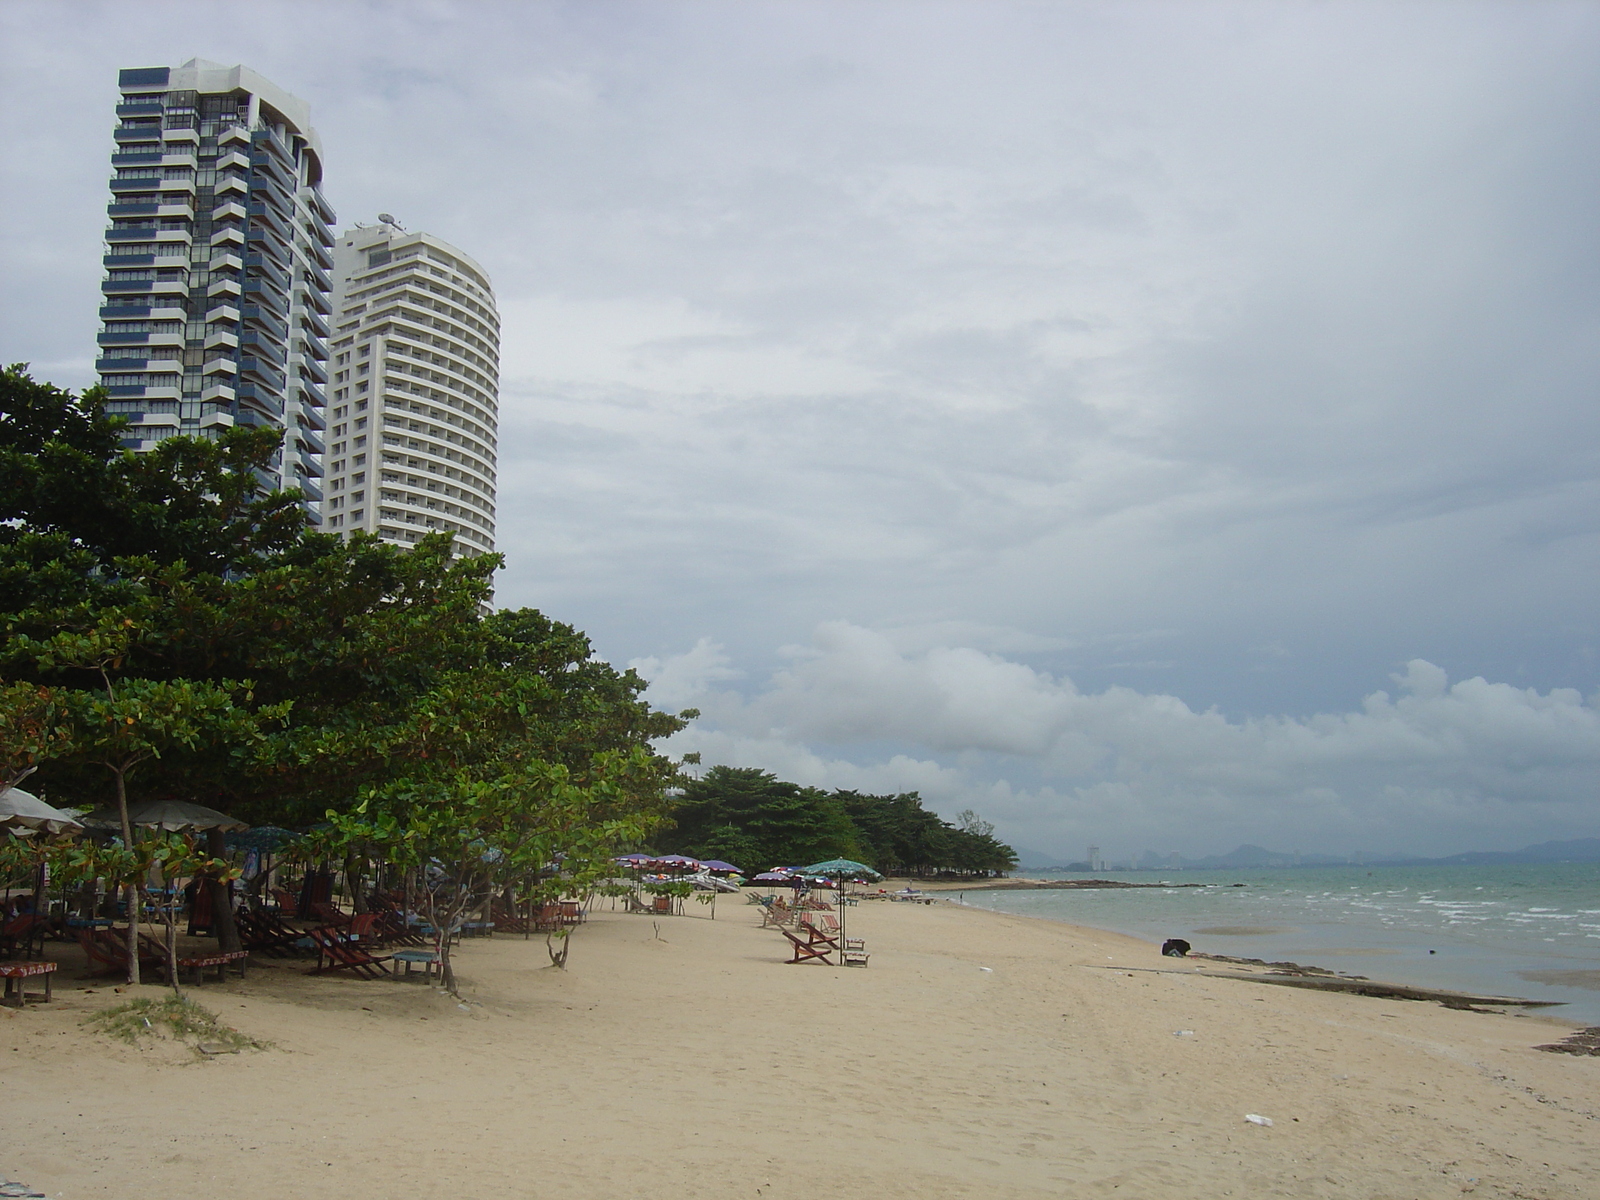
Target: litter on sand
[(1183, 1033), (1258, 1119)]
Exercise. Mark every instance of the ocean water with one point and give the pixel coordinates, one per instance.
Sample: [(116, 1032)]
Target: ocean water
[(1526, 931)]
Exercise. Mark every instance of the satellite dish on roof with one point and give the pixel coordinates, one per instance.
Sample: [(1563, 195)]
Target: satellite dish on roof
[(387, 219)]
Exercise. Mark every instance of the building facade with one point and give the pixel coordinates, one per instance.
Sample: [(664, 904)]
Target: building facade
[(218, 290), (414, 414)]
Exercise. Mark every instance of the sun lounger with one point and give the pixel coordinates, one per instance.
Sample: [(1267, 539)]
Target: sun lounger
[(808, 951), (266, 934), (107, 951), (336, 955), (776, 916), (20, 934)]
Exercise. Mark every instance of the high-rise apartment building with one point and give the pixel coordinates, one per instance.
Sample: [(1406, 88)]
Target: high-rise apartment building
[(415, 392), (217, 289)]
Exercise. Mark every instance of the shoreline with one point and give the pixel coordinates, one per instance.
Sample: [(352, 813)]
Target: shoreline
[(979, 1055)]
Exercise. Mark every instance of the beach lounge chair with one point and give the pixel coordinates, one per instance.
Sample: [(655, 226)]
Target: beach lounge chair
[(107, 951), (776, 916), (264, 933), (329, 913), (20, 934), (806, 950), (336, 955)]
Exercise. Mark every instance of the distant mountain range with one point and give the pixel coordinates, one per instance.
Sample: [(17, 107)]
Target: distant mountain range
[(1576, 850)]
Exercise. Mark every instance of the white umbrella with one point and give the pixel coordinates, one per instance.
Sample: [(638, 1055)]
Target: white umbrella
[(24, 810), (169, 815)]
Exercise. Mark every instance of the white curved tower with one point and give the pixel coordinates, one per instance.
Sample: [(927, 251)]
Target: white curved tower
[(414, 409)]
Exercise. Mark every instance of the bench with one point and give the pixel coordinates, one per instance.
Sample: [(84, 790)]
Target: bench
[(17, 974), (199, 963)]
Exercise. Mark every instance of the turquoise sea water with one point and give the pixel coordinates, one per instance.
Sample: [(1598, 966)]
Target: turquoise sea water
[(1528, 931)]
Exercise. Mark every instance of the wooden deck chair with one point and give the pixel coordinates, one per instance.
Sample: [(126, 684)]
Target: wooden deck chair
[(807, 951), (20, 934), (329, 913), (107, 952), (336, 955), (774, 916), (265, 934), (635, 907)]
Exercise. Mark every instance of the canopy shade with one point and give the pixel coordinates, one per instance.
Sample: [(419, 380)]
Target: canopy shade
[(840, 866), (24, 810), (169, 815), (716, 864), (772, 877)]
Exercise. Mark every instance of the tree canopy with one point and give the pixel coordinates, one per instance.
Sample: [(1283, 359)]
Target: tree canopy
[(749, 817), (176, 630)]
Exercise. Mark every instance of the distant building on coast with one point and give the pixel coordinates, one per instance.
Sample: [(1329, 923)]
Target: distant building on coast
[(415, 394), (217, 291)]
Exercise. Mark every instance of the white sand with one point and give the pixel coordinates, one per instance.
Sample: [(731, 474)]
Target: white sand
[(699, 1065)]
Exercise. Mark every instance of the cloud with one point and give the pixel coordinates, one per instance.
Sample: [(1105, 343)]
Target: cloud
[(1432, 764)]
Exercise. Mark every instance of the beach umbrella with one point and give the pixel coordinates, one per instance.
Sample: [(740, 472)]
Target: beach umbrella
[(842, 869), (716, 865), (634, 860), (168, 815), (20, 810), (678, 862)]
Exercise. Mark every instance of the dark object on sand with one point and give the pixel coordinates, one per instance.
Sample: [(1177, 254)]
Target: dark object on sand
[(1175, 948), (1585, 1041)]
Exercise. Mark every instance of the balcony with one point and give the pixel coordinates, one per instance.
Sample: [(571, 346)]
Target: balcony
[(111, 286), (222, 312), (182, 135), (317, 302), (265, 346), (311, 417), (219, 338), (137, 158), (262, 373), (224, 287), (262, 399), (255, 316), (139, 110), (314, 393), (261, 265), (229, 235), (220, 366), (127, 261), (309, 442), (131, 210), (259, 292), (147, 183), (112, 366), (313, 320), (233, 186), (219, 393), (311, 369), (137, 133), (123, 339), (233, 160), (217, 418), (226, 262), (314, 349)]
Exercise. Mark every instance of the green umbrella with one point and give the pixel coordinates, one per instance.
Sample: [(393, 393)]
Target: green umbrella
[(840, 868)]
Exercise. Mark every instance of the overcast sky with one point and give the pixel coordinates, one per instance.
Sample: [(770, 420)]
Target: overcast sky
[(1154, 425)]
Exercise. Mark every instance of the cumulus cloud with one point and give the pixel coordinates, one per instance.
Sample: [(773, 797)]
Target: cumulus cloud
[(1431, 764)]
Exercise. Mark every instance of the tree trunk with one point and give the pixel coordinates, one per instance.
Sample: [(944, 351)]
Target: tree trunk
[(133, 888), (221, 904)]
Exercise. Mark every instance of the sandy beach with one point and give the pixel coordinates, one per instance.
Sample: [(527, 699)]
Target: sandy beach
[(979, 1055)]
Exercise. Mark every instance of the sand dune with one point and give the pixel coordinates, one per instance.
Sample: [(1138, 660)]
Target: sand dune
[(696, 1063)]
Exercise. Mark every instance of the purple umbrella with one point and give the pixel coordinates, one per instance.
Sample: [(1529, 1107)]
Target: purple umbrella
[(717, 865), (771, 877), (682, 861)]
